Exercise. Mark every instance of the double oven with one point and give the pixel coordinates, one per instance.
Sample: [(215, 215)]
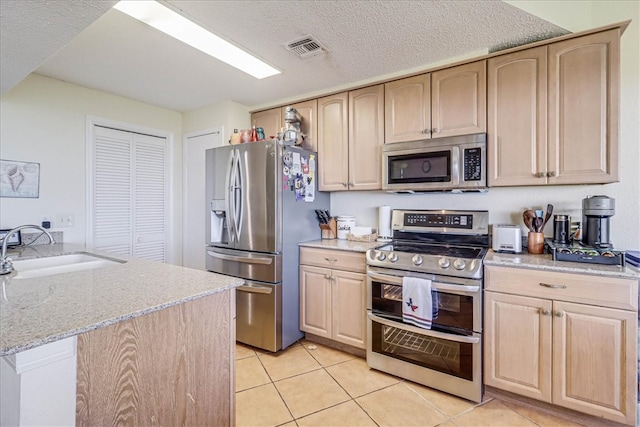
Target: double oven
[(445, 249)]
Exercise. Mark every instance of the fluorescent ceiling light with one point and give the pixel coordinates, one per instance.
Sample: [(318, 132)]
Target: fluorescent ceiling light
[(166, 20)]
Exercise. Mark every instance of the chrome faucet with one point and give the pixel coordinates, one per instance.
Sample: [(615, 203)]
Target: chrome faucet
[(6, 266)]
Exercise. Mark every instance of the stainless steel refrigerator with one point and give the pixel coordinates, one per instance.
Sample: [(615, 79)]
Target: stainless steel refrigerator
[(261, 201)]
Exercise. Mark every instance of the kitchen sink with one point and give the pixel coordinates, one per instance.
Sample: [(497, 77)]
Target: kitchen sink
[(38, 267)]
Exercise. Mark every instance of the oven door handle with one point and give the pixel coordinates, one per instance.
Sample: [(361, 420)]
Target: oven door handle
[(395, 280), (421, 331)]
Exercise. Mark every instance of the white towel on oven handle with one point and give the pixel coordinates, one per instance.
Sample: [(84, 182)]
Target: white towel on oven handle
[(417, 302)]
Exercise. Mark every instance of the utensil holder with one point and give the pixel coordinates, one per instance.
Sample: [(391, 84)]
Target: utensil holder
[(329, 231), (535, 242)]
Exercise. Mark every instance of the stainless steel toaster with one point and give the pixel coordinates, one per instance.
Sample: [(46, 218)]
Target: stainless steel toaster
[(506, 238)]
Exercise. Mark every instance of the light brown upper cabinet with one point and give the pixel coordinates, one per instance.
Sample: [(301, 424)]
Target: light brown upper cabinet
[(443, 103), (350, 134), (272, 121), (553, 113), (459, 100), (308, 110), (517, 117), (269, 120)]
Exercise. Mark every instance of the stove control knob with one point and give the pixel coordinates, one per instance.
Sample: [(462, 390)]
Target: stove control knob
[(393, 257), (380, 256), (444, 262), (459, 264), (417, 260)]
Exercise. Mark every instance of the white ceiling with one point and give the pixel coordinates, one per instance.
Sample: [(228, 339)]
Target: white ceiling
[(85, 42)]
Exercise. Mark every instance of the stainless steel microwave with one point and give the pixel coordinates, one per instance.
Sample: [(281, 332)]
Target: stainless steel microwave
[(457, 163)]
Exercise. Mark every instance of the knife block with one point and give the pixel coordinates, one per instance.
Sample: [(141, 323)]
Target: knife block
[(329, 231)]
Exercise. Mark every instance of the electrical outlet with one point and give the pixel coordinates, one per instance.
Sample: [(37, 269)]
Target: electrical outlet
[(63, 220)]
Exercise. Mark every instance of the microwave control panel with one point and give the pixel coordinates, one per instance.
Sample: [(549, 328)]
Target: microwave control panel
[(472, 164)]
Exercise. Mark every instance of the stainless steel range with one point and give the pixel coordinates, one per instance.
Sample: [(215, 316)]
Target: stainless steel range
[(424, 300)]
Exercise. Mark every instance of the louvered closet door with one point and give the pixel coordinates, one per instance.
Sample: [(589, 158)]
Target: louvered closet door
[(129, 196)]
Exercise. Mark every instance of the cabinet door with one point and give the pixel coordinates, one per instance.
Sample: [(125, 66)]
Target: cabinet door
[(517, 350), (458, 100), (366, 136), (333, 149), (309, 126), (348, 301), (315, 300), (269, 120), (583, 109), (407, 109), (517, 118), (594, 359)]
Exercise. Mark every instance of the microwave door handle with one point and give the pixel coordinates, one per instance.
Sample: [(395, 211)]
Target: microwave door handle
[(238, 210), (455, 166), (438, 286), (228, 195), (421, 331)]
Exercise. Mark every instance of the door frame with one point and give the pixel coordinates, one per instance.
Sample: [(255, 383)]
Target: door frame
[(91, 123)]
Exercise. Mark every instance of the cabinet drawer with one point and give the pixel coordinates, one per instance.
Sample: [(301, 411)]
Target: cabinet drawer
[(342, 260), (586, 289)]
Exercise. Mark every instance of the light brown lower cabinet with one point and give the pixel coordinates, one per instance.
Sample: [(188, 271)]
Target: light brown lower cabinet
[(560, 346), (332, 300), (170, 367)]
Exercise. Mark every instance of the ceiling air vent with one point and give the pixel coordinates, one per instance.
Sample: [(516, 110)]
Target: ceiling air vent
[(306, 47)]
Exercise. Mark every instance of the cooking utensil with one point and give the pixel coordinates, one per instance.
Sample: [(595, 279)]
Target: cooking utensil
[(538, 224), (547, 215), (527, 217)]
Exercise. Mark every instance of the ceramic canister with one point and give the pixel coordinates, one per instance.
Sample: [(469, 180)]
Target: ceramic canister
[(345, 223)]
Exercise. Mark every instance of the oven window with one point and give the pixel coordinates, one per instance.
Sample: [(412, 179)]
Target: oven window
[(445, 356), (422, 167), (450, 312)]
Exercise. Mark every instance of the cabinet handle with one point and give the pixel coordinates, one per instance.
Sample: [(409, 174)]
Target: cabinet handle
[(551, 174), (435, 130), (351, 184), (427, 131), (326, 276), (547, 285), (558, 314), (331, 259), (545, 312), (539, 174), (344, 184)]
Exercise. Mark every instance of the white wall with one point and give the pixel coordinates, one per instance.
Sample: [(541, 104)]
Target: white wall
[(43, 120), (505, 205), (230, 115)]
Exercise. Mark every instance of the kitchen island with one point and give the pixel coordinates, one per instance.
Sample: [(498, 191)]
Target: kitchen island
[(140, 342)]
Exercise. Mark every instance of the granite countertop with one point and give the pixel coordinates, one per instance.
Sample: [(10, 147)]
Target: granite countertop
[(40, 310), (544, 262), (341, 244)]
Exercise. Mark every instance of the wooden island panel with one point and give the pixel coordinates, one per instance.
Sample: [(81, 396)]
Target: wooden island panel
[(170, 367)]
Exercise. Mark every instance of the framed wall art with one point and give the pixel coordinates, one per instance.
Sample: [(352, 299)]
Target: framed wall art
[(19, 179)]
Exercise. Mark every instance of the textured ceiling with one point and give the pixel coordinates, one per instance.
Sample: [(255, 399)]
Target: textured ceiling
[(365, 39)]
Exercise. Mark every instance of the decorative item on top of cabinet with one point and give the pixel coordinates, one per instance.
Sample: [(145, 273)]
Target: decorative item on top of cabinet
[(308, 110), (553, 113), (563, 338), (333, 295), (446, 102), (350, 134), (269, 120)]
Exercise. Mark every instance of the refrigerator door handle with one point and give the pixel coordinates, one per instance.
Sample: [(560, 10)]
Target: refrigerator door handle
[(229, 195), (244, 259), (255, 289), (238, 210)]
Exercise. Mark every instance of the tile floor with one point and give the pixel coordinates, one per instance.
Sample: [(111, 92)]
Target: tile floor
[(312, 385)]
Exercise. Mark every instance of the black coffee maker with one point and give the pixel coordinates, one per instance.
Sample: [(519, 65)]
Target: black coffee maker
[(596, 211)]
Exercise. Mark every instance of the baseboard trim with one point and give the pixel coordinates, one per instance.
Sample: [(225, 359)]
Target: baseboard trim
[(336, 345)]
